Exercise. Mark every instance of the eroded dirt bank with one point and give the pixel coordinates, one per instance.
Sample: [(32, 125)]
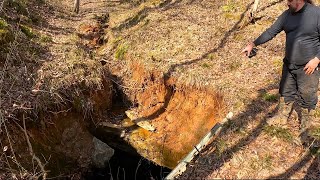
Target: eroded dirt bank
[(166, 120), (180, 116)]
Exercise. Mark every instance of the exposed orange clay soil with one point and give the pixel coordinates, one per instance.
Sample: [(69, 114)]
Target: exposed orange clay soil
[(181, 116)]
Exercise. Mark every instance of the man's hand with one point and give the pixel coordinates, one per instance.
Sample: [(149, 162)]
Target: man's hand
[(311, 66), (247, 50)]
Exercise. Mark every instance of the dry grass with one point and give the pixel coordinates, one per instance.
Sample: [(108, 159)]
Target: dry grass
[(199, 43), (37, 75)]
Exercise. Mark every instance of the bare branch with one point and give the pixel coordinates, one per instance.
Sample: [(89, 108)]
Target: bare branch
[(76, 6), (44, 173), (1, 6)]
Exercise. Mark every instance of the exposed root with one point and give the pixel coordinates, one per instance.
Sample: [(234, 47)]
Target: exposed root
[(32, 154)]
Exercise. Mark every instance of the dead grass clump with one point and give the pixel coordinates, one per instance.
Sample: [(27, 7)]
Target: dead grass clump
[(69, 81)]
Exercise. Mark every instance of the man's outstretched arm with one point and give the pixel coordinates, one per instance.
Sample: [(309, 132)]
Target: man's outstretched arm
[(267, 35)]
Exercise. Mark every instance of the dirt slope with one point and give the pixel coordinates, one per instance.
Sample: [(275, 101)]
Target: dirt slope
[(199, 43)]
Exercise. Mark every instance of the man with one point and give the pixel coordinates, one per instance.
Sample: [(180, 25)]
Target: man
[(300, 74)]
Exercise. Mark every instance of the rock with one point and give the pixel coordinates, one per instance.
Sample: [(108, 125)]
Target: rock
[(146, 125), (141, 122), (102, 153), (229, 115)]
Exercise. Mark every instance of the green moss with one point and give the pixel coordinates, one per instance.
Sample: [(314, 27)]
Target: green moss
[(259, 163), (6, 34), (211, 56), (45, 39), (205, 65), (19, 5), (317, 113), (315, 133), (279, 133), (121, 51), (3, 35), (270, 97), (228, 8), (315, 151), (277, 63), (3, 24), (221, 146), (27, 31), (116, 40)]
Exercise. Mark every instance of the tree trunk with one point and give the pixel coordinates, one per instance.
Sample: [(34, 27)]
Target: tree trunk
[(76, 6), (253, 11), (254, 8)]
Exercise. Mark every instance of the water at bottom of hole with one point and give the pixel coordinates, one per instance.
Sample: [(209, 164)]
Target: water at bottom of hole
[(124, 166)]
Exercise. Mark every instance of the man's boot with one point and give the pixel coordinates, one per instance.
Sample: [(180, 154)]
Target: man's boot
[(307, 119), (281, 117), (308, 125)]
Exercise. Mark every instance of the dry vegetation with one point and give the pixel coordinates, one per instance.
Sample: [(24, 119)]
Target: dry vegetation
[(50, 58), (40, 76), (199, 43)]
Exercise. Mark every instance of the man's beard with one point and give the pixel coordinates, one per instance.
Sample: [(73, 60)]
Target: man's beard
[(291, 9)]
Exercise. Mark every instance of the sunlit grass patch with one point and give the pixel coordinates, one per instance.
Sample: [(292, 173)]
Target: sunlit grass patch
[(279, 132), (317, 113), (6, 34), (235, 65), (270, 97), (205, 65), (45, 38), (229, 7), (277, 63), (221, 146), (121, 51), (27, 31), (259, 163), (315, 133), (229, 10), (211, 56), (3, 24)]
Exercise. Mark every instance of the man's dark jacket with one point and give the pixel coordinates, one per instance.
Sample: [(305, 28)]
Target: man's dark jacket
[(302, 30)]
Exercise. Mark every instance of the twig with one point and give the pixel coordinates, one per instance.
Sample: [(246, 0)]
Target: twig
[(118, 172), (11, 148), (124, 173), (111, 177), (126, 87), (1, 6), (135, 175), (5, 155), (44, 173)]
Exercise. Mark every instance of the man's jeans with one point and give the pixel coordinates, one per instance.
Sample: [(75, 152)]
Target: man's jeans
[(296, 85)]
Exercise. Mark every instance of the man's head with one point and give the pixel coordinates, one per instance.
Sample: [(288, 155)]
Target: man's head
[(295, 5)]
